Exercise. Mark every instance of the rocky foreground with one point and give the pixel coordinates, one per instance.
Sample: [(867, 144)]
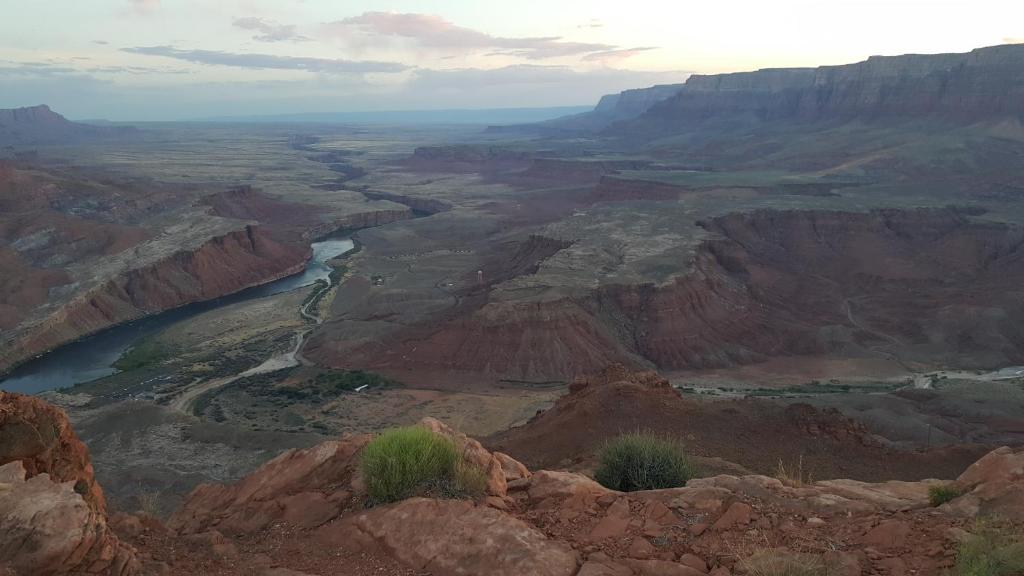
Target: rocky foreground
[(304, 513)]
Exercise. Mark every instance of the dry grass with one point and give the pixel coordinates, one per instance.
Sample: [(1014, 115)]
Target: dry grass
[(774, 562), (795, 476), (990, 550)]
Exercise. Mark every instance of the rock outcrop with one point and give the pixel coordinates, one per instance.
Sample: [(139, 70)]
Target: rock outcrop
[(302, 487), (304, 513), (564, 523), (452, 537), (41, 125), (992, 486), (52, 512)]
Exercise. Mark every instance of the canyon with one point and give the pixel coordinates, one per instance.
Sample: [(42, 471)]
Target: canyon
[(86, 252), (814, 268)]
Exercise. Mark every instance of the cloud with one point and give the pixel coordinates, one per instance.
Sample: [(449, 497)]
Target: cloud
[(39, 69), (269, 31), (144, 6), (135, 70), (617, 55), (434, 32), (1010, 40), (270, 61), (593, 23), (100, 42)]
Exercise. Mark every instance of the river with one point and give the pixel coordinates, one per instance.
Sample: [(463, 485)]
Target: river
[(91, 357)]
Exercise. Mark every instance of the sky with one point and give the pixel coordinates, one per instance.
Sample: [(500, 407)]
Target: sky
[(186, 59)]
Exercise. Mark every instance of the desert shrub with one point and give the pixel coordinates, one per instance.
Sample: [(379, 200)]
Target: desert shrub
[(412, 461), (770, 562), (640, 461), (942, 493), (990, 551)]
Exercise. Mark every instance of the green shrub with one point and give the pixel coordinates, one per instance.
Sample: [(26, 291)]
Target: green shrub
[(412, 461), (990, 551), (942, 493), (643, 462), (142, 354)]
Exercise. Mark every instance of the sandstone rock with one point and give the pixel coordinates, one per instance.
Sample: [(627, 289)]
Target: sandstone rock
[(306, 487), (693, 561), (47, 528), (212, 543), (615, 522), (52, 511), (892, 496), (512, 468), (640, 548), (476, 455), (738, 514), (887, 535), (547, 485), (456, 537), (994, 485), (606, 568), (38, 435)]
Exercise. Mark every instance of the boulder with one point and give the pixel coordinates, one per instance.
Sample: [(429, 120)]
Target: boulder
[(39, 435), (304, 487), (47, 528), (548, 488), (993, 485), (455, 537), (52, 511)]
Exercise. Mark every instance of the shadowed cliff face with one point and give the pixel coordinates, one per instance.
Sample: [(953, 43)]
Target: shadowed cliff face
[(224, 265), (981, 84)]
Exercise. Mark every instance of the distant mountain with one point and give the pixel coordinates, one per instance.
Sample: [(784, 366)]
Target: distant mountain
[(610, 109), (454, 116), (41, 125), (982, 84)]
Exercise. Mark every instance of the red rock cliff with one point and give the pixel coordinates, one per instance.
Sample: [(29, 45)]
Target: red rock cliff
[(223, 265)]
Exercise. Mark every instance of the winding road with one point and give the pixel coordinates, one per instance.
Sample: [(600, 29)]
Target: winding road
[(186, 398)]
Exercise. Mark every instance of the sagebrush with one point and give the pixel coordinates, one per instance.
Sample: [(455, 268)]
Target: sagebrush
[(413, 461), (641, 461), (942, 493)]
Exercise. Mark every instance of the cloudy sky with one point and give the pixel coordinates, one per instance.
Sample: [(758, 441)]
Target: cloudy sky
[(180, 59)]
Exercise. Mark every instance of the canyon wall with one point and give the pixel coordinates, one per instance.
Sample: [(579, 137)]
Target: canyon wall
[(223, 265), (983, 83), (934, 286)]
